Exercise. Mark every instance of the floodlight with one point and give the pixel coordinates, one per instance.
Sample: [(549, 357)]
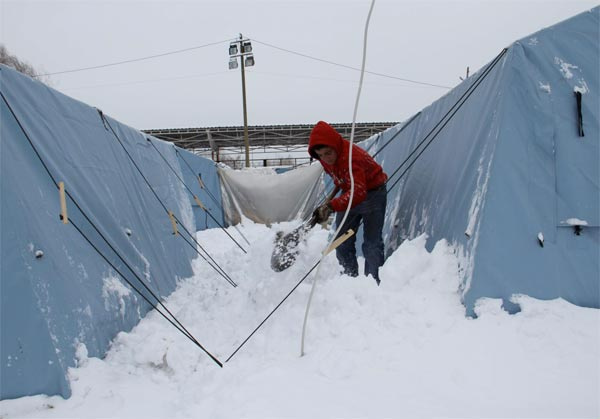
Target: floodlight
[(233, 49), (233, 64), (247, 46), (249, 62)]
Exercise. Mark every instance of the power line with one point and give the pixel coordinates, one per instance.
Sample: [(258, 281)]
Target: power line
[(427, 139), (350, 67), (132, 60), (219, 73), (221, 42), (309, 77), (172, 319), (130, 83)]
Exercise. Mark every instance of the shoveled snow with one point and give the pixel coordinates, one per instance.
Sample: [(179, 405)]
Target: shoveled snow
[(545, 87), (565, 68), (575, 222), (583, 89), (114, 288), (401, 350)]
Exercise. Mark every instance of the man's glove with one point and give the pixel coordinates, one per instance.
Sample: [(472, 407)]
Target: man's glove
[(322, 213)]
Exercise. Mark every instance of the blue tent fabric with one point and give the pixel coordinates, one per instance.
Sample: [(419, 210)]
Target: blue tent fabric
[(72, 294), (506, 170), (510, 167), (193, 168)]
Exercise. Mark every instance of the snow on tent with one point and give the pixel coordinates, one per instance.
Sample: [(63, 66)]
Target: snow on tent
[(505, 168), (60, 283), (253, 194)]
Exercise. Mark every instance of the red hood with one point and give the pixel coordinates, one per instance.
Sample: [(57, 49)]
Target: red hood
[(325, 134), (367, 174)]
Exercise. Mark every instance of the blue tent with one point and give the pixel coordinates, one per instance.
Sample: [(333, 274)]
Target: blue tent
[(64, 284), (505, 168)]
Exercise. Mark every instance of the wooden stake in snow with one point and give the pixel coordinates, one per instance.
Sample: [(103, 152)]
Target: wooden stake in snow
[(173, 223), (63, 203)]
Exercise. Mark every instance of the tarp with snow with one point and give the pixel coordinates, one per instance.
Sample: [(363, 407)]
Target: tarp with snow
[(58, 288), (266, 197), (507, 178)]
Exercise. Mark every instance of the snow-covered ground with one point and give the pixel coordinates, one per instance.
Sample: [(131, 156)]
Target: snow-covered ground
[(401, 350)]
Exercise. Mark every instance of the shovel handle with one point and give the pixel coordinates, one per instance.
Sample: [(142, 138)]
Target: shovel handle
[(312, 221), (337, 242), (332, 194)]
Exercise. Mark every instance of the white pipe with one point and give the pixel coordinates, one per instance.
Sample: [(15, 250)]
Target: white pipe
[(362, 73)]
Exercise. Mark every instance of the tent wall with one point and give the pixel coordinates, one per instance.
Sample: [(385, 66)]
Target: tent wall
[(71, 294), (199, 171), (508, 167), (545, 173)]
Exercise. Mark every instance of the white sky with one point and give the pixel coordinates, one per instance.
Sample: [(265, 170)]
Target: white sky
[(429, 41)]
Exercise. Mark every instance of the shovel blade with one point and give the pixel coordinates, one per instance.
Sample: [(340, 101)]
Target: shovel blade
[(286, 248)]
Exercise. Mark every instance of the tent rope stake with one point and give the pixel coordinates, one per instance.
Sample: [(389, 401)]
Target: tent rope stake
[(192, 193), (455, 107), (208, 192), (173, 223), (220, 270), (63, 203), (172, 320)]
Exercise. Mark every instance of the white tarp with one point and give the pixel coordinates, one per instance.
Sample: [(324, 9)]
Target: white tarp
[(264, 196)]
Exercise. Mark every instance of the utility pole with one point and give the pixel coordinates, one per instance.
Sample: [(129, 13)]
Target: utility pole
[(244, 46), (246, 139)]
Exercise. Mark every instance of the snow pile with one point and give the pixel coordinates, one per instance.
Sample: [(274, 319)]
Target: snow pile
[(114, 288), (404, 349)]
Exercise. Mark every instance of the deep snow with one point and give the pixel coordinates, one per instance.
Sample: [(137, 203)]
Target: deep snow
[(401, 350)]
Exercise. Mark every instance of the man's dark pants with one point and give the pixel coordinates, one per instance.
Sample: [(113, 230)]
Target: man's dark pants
[(372, 212)]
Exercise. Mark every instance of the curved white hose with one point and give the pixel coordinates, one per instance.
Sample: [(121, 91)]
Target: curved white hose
[(362, 73)]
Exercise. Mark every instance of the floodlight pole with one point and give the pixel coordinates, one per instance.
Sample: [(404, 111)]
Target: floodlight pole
[(246, 140), (242, 48)]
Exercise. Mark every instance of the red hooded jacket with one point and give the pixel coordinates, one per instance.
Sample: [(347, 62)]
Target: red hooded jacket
[(368, 174)]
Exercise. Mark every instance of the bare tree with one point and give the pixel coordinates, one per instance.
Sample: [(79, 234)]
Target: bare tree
[(13, 61)]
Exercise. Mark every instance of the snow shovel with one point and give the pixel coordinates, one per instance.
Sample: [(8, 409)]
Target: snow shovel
[(286, 245)]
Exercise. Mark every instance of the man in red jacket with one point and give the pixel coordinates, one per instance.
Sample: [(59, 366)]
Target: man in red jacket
[(368, 202)]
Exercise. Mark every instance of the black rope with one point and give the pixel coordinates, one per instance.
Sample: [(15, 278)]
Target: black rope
[(192, 193), (217, 268), (209, 193), (179, 326), (397, 133), (220, 270), (273, 311), (578, 97), (154, 192), (452, 110), (404, 126), (465, 96), (186, 163)]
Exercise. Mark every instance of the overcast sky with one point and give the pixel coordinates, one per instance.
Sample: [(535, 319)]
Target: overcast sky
[(427, 41)]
